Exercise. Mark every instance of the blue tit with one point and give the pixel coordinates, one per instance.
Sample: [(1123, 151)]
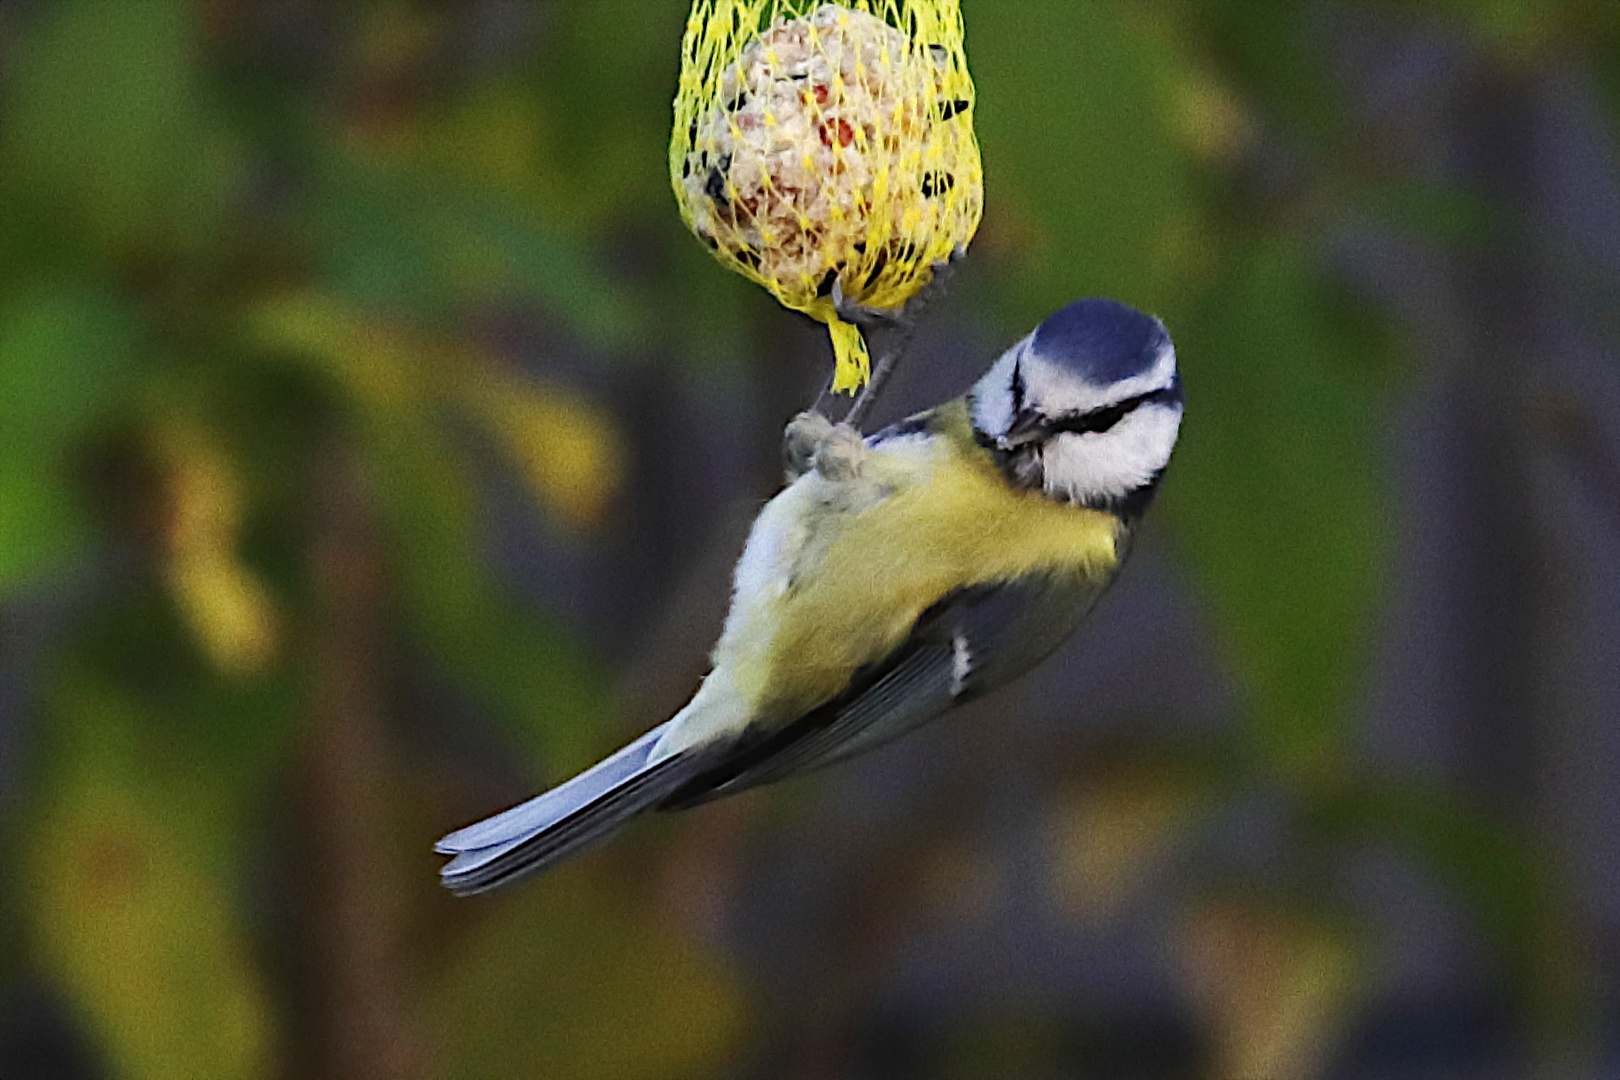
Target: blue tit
[(893, 577)]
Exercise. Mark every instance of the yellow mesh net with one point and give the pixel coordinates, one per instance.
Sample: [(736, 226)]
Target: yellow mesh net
[(822, 144)]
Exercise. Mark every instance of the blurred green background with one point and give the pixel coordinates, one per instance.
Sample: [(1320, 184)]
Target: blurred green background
[(374, 445)]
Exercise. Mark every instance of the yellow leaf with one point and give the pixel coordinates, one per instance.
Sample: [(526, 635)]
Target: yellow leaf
[(221, 600), (1112, 832), (375, 361), (566, 449), (1275, 986), (227, 609), (123, 917), (1210, 118)]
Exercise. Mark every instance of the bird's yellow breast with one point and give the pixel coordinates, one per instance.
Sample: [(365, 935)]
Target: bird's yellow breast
[(845, 567)]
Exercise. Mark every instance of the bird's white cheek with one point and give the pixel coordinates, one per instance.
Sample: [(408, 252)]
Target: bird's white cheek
[(1114, 463)]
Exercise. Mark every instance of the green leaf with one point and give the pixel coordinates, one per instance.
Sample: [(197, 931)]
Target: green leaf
[(1268, 47), (1509, 25), (406, 240), (1605, 67), (610, 80), (1487, 862), (42, 525), (1451, 215), (219, 737), (105, 116), (701, 309), (1515, 893), (65, 355), (1275, 491)]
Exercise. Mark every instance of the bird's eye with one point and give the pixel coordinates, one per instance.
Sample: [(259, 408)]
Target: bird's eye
[(1098, 421), (1103, 419)]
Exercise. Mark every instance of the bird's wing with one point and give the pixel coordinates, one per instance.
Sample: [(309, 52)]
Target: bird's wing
[(970, 642)]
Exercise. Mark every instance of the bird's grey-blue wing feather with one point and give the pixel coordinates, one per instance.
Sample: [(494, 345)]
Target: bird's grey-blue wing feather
[(564, 820), (524, 818), (969, 643)]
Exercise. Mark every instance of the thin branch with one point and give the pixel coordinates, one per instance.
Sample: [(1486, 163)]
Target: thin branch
[(902, 324), (882, 368), (824, 399)]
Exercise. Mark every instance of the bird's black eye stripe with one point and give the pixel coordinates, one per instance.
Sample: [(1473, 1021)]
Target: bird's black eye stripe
[(1103, 419), (1100, 420)]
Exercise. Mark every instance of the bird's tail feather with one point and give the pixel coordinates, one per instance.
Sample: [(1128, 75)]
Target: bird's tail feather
[(563, 821)]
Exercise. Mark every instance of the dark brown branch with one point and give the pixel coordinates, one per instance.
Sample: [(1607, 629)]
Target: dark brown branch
[(359, 1026)]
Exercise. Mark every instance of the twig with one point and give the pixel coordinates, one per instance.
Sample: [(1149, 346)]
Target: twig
[(824, 398), (903, 324), (882, 368)]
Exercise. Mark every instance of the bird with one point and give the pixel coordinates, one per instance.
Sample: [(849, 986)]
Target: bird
[(895, 576)]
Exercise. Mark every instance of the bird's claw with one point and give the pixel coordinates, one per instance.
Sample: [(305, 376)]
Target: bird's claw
[(812, 441)]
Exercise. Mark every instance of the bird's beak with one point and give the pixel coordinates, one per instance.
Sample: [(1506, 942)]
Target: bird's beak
[(1026, 427)]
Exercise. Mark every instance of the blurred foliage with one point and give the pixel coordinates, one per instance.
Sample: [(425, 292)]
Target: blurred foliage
[(1297, 615), (605, 994), (1060, 187), (247, 246), (1274, 984), (132, 912)]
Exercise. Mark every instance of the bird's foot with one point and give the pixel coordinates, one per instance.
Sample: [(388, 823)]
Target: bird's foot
[(804, 434), (811, 441), (841, 453)]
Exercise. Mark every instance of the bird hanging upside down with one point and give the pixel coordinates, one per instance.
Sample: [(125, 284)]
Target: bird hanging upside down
[(894, 577)]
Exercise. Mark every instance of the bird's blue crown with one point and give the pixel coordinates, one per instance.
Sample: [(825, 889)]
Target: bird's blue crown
[(1102, 341)]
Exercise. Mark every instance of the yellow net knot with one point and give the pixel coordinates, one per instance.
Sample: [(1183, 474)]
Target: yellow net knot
[(828, 145)]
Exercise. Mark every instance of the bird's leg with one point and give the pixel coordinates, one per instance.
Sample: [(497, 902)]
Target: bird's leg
[(882, 368), (900, 324)]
